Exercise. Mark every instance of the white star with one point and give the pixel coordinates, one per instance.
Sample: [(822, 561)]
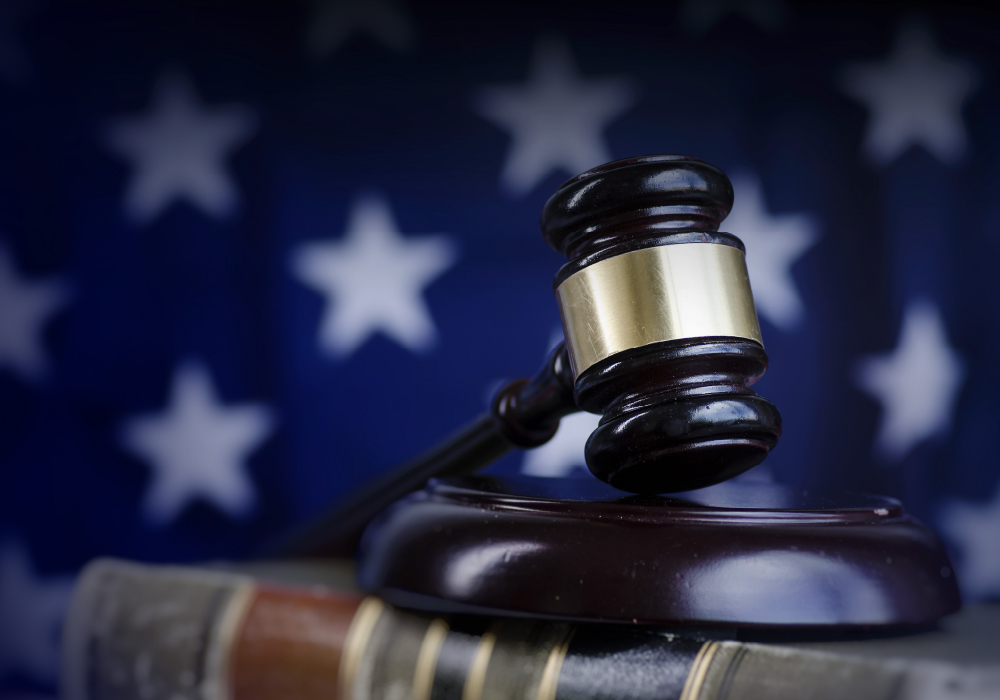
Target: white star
[(24, 308), (915, 97), (198, 447), (774, 244), (976, 530), (178, 151), (334, 22), (698, 16), (31, 610), (917, 384), (374, 280), (563, 454), (556, 119)]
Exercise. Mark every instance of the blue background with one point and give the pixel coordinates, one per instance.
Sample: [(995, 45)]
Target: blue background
[(403, 124)]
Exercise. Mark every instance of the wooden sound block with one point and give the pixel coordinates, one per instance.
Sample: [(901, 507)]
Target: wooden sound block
[(731, 555)]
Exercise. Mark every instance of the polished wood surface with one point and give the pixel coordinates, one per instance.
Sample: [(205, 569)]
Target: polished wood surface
[(679, 415), (629, 201), (528, 411), (733, 555)]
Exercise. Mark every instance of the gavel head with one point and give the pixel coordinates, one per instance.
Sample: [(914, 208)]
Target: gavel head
[(660, 324)]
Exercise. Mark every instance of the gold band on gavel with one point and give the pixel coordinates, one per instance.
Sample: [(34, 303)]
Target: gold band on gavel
[(688, 290)]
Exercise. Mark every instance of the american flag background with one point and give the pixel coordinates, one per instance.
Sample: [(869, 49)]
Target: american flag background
[(255, 254)]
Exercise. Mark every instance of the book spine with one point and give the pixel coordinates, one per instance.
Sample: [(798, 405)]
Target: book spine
[(163, 633)]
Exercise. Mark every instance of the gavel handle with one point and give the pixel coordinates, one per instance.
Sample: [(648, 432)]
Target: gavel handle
[(524, 413)]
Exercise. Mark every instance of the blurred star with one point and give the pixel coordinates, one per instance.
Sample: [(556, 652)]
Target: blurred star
[(774, 244), (563, 454), (915, 97), (32, 611), (334, 22), (198, 448), (25, 307), (178, 151), (976, 530), (556, 119), (698, 16), (917, 384), (374, 280)]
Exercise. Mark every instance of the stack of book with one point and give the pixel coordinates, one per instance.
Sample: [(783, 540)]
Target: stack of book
[(288, 631)]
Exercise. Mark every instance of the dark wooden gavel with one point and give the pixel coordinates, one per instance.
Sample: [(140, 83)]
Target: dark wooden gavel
[(662, 340)]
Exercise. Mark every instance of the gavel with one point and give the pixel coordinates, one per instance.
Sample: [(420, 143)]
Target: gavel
[(661, 339), (661, 330)]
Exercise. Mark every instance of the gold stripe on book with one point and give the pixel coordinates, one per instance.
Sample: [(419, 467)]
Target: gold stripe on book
[(358, 635), (430, 649), (474, 682), (696, 676), (553, 665)]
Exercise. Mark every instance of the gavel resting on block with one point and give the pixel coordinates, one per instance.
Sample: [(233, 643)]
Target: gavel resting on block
[(662, 340)]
